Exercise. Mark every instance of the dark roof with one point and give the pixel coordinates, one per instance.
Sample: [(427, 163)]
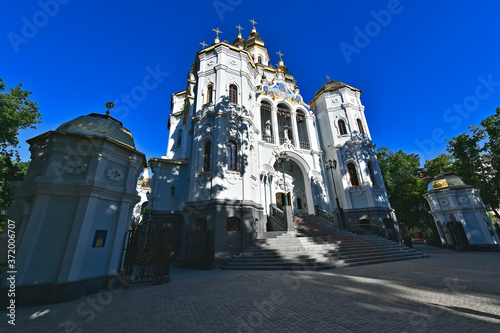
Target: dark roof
[(99, 125)]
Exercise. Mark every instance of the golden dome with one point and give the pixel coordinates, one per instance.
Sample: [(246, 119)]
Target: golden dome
[(445, 180)]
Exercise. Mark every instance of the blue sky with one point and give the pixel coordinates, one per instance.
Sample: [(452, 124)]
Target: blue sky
[(427, 69)]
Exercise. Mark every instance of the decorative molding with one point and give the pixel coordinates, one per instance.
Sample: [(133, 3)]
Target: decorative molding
[(232, 177), (253, 181), (74, 166), (356, 190), (287, 146), (202, 178), (348, 155), (115, 175)]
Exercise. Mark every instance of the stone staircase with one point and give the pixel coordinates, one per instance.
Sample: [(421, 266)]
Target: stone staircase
[(316, 245)]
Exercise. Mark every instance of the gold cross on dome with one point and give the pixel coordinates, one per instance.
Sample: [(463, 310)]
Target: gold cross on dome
[(217, 31), (280, 54), (253, 22), (239, 28), (328, 78), (203, 44)]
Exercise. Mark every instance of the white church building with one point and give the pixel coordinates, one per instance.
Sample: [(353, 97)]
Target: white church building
[(244, 147)]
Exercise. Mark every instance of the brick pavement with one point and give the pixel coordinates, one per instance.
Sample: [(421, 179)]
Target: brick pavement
[(448, 292)]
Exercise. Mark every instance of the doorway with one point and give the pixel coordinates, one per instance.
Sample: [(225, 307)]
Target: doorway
[(280, 199)]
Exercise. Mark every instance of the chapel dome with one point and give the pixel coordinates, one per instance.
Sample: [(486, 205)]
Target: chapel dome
[(333, 85), (254, 40), (445, 180), (99, 125)]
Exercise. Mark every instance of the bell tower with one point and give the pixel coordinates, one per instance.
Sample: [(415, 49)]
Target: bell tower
[(346, 141)]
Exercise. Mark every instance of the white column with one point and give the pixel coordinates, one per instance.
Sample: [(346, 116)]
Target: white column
[(274, 119), (295, 133)]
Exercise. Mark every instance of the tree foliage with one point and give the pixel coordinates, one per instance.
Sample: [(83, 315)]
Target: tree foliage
[(476, 156), (442, 163), (17, 111), (9, 172), (405, 188), (491, 126)]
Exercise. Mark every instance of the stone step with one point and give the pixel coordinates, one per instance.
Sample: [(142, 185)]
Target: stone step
[(317, 245)]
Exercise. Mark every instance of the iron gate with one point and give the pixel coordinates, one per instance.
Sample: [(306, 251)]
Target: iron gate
[(146, 253), (454, 233)]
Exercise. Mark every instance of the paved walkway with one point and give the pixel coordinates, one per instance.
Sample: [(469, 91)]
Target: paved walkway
[(449, 292)]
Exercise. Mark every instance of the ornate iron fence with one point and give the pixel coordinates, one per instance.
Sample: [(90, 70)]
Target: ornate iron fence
[(146, 253)]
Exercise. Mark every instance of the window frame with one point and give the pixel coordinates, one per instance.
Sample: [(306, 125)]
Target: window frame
[(233, 224), (371, 172), (353, 174), (343, 128), (210, 91), (232, 155), (207, 156), (361, 128), (179, 139), (233, 93)]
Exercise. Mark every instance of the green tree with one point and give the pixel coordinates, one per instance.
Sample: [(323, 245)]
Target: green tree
[(9, 172), (466, 150), (441, 163), (17, 111), (491, 126), (472, 165), (405, 188)]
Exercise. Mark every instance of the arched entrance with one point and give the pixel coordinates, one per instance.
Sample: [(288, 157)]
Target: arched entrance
[(295, 186)]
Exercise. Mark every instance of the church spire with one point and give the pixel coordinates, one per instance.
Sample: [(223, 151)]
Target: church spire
[(239, 41), (254, 30), (217, 31), (280, 63)]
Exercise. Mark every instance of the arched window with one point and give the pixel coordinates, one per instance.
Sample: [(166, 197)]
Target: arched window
[(342, 127), (210, 91), (232, 155), (364, 224), (206, 156), (266, 122), (353, 174), (259, 60), (299, 203), (233, 224), (179, 138), (302, 129), (284, 123), (372, 175), (360, 127), (233, 94)]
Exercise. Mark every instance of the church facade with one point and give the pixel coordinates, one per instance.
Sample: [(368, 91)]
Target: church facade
[(244, 148)]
